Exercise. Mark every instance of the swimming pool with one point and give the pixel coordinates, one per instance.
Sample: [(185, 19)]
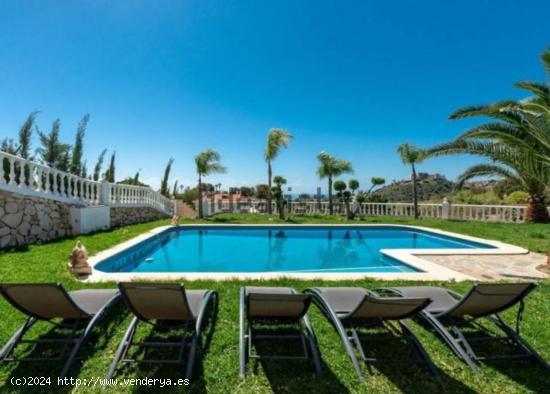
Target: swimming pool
[(281, 249)]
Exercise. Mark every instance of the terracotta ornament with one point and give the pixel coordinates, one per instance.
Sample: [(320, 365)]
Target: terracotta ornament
[(78, 261), (175, 220)]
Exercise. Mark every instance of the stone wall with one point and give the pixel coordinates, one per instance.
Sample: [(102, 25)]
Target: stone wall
[(27, 220), (129, 215)]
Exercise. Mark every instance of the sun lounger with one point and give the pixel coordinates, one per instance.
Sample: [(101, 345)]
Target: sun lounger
[(352, 308), (450, 313), (78, 311), (279, 307), (164, 306)]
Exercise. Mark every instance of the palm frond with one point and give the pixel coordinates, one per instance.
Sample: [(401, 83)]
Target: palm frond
[(501, 132), (480, 110), (410, 153), (276, 139), (545, 57), (541, 90), (208, 162), (485, 170)]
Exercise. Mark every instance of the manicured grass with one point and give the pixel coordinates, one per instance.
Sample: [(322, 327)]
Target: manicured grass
[(217, 372)]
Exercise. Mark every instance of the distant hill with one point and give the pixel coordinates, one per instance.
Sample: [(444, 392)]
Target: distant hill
[(431, 187)]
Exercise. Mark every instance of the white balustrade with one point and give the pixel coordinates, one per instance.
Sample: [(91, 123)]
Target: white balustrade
[(26, 177), (445, 210)]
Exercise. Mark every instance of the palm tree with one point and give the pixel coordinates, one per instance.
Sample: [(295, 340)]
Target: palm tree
[(207, 162), (411, 155), (276, 139), (513, 162), (516, 140), (331, 168)]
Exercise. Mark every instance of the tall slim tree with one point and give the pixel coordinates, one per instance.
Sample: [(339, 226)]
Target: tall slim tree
[(99, 164), (52, 151), (64, 161), (276, 139), (207, 162), (330, 168), (84, 170), (8, 145), (164, 183), (411, 155), (78, 147), (175, 188), (110, 173), (25, 136)]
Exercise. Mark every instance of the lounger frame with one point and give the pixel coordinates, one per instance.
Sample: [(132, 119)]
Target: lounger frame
[(190, 339), (307, 338), (85, 322), (449, 329), (347, 330)]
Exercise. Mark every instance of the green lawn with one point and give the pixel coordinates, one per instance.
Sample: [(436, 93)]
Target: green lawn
[(217, 372)]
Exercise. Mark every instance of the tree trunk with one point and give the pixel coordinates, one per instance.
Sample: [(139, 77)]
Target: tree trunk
[(537, 211), (281, 207), (330, 211), (415, 195), (269, 176), (201, 215)]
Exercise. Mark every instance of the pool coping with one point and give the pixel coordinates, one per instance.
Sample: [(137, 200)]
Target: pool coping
[(431, 271)]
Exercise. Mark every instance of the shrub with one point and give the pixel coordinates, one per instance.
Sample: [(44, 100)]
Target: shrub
[(517, 197)]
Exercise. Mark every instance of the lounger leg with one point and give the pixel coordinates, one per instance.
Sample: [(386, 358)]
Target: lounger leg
[(242, 339), (419, 349), (451, 341), (313, 345), (465, 344), (123, 347), (191, 357), (80, 341), (211, 296), (516, 338), (14, 340), (349, 349), (341, 331)]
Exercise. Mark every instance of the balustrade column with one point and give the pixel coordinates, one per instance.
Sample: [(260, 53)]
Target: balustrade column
[(12, 171)]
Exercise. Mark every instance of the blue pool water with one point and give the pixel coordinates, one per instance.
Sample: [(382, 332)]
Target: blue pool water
[(277, 249)]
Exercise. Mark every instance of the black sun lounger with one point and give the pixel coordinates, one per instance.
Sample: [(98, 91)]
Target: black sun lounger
[(277, 306), (449, 312), (164, 306), (77, 311), (351, 308)]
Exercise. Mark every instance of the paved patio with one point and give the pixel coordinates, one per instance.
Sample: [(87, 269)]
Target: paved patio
[(494, 267)]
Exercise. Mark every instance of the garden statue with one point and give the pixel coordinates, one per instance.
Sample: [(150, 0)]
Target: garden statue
[(175, 220), (78, 261)]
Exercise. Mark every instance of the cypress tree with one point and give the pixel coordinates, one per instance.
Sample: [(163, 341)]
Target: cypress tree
[(78, 149), (110, 173), (175, 189), (25, 136), (50, 151), (164, 183), (99, 164)]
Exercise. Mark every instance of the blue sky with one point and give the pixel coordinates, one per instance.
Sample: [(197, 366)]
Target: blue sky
[(165, 79)]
